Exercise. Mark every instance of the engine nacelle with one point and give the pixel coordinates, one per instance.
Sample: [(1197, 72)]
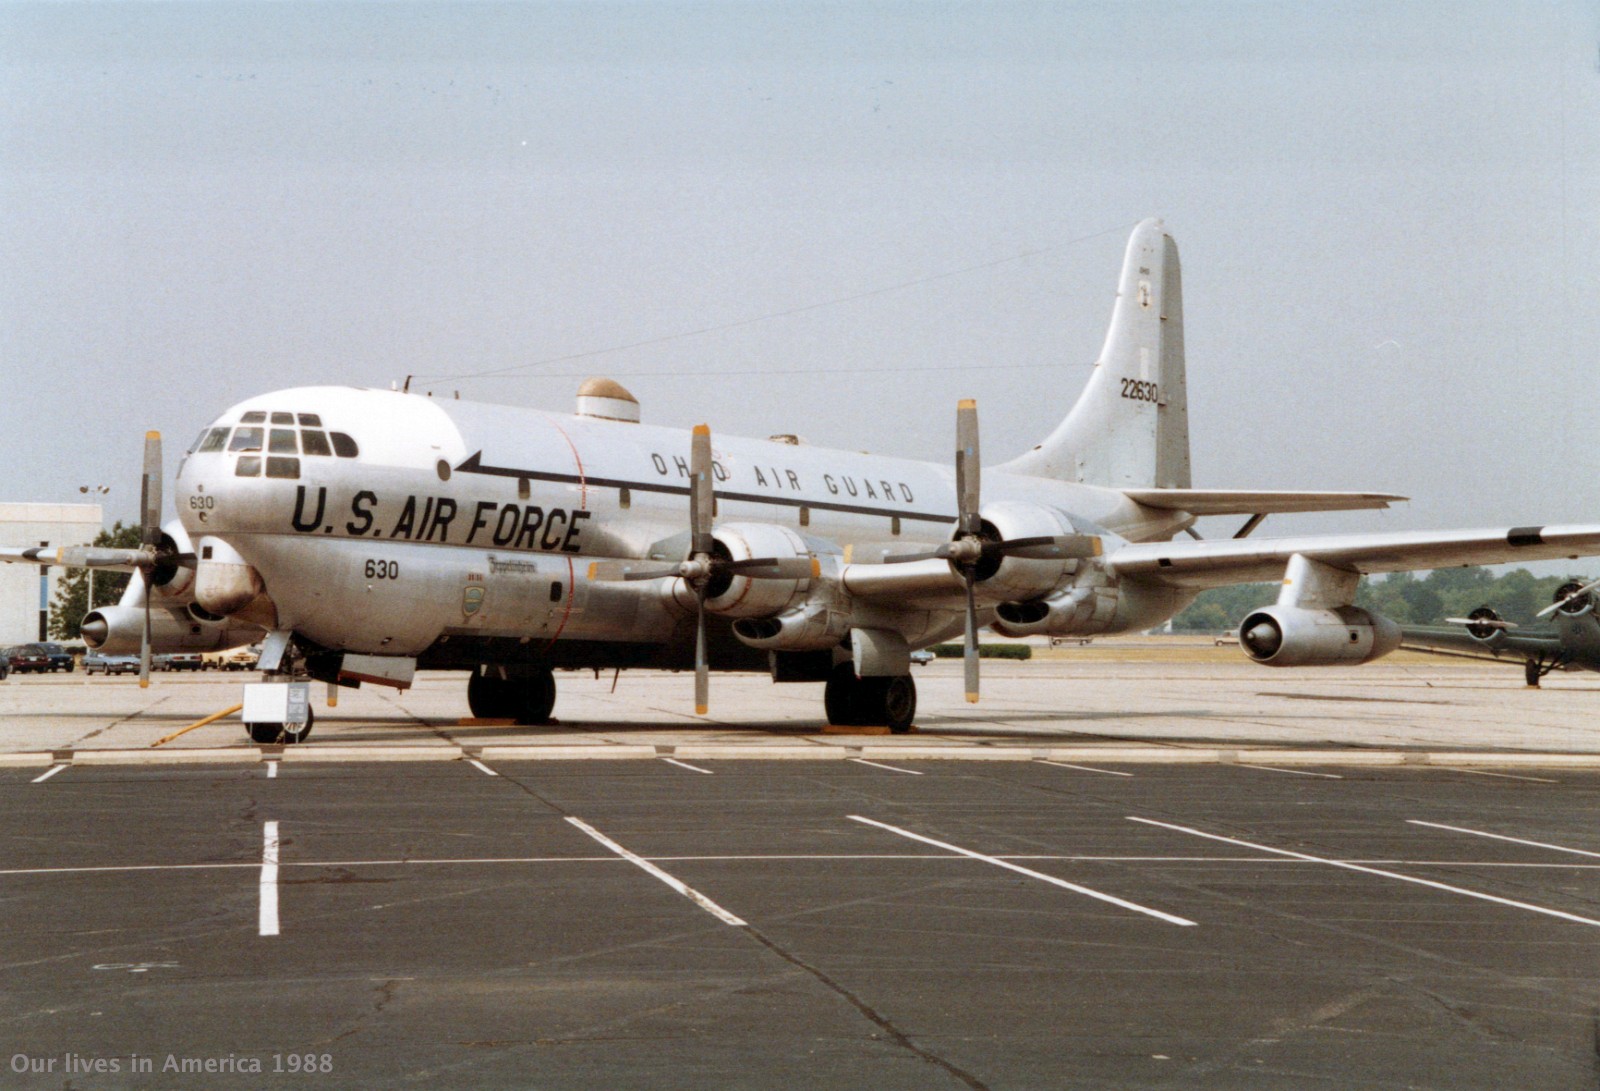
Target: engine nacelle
[(740, 596), (1018, 578), (1292, 636), (810, 629), (1095, 603), (116, 630)]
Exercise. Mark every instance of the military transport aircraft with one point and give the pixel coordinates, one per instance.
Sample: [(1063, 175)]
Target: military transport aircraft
[(1571, 642), (372, 533)]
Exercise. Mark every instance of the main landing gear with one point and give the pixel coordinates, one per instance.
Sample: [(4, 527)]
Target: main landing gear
[(526, 698), (851, 701)]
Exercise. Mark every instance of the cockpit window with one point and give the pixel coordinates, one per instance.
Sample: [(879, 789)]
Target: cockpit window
[(248, 466), (283, 418), (310, 420), (315, 443), (246, 439), (215, 440), (343, 445), (283, 467), (281, 442), (255, 416)]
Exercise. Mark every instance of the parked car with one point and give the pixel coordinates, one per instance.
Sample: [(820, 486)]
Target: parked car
[(235, 659), (922, 655), (179, 661), (59, 658), (110, 664), (24, 658)]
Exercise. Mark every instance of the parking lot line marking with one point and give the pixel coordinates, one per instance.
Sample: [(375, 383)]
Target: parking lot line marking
[(269, 879), (1296, 772), (1009, 866), (48, 773), (686, 765), (891, 768), (682, 888), (272, 770), (1502, 837), (1085, 768), (1372, 871), (482, 767), (1507, 776)]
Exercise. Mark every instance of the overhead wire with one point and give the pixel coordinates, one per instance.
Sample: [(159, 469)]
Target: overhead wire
[(515, 370)]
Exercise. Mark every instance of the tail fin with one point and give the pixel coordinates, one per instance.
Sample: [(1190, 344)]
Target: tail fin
[(1130, 427)]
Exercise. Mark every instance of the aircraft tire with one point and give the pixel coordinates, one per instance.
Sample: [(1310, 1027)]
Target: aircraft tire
[(891, 701), (533, 698), (839, 701), (298, 734), (1530, 671)]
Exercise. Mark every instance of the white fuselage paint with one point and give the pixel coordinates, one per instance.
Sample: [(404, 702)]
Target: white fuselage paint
[(461, 518)]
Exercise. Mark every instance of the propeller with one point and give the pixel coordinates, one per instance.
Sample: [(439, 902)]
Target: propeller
[(707, 563), (971, 548), (1482, 623), (1568, 594)]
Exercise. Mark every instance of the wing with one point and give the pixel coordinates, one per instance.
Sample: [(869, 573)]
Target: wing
[(1524, 642), (1248, 502), (1196, 565)]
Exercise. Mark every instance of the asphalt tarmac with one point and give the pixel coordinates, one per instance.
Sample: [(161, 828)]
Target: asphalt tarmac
[(797, 910)]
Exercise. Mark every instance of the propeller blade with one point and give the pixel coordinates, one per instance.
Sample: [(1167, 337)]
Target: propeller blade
[(702, 677), (775, 568), (702, 496), (1559, 603), (907, 558), (967, 467), (83, 556), (150, 492), (618, 571), (1047, 547), (969, 653), (144, 637), (1486, 623)]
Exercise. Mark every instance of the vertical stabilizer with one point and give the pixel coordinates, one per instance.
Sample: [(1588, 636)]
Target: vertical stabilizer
[(1130, 427)]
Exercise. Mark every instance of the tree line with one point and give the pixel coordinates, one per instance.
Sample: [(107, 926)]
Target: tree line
[(1409, 598)]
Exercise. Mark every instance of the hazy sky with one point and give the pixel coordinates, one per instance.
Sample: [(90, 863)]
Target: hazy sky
[(1388, 216)]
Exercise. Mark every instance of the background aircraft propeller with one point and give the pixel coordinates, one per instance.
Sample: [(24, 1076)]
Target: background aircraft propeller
[(1568, 595), (707, 563)]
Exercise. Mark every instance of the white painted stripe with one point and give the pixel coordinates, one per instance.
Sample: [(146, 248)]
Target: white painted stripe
[(1084, 768), (269, 879), (891, 768), (1296, 772), (1373, 871), (1051, 879), (1486, 773), (47, 774), (1503, 837), (682, 888), (470, 861), (686, 765), (482, 767), (272, 769)]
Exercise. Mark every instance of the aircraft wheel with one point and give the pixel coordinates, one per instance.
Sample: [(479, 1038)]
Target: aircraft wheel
[(891, 701), (264, 734), (298, 733), (839, 696), (533, 698), (1530, 671), (489, 698)]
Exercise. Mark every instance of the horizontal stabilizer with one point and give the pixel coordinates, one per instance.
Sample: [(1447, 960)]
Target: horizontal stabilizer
[(1252, 502)]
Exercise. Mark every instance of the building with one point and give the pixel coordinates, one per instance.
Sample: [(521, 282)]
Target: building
[(25, 589)]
